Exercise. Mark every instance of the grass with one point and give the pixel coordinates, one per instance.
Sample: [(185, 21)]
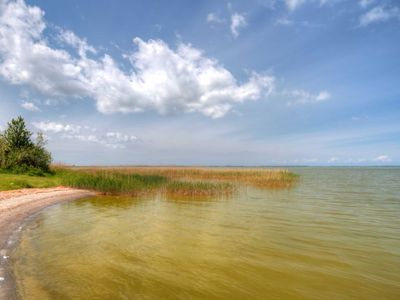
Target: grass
[(169, 180), (13, 181)]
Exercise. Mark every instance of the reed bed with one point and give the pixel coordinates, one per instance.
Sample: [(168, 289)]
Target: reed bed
[(195, 189), (259, 177), (184, 181), (113, 182)]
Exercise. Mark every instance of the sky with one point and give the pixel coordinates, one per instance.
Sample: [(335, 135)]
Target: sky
[(213, 82)]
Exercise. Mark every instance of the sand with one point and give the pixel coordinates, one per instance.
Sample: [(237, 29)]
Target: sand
[(15, 207)]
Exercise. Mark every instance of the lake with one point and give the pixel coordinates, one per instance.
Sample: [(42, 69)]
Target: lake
[(334, 235)]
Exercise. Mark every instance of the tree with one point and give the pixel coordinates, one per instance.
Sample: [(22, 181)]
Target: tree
[(2, 152), (17, 136), (19, 153)]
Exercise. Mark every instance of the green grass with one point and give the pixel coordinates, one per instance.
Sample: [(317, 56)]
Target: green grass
[(13, 181)]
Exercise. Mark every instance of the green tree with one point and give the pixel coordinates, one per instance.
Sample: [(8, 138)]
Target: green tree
[(17, 136), (2, 152), (19, 153)]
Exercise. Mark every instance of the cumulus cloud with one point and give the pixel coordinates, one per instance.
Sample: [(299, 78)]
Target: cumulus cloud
[(56, 127), (238, 21), (379, 14), (81, 45), (112, 139), (383, 159), (305, 97), (27, 59), (160, 79), (29, 106)]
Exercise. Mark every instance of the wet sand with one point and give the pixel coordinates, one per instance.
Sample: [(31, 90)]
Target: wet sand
[(17, 206)]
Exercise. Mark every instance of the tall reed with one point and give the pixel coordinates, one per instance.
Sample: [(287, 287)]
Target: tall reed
[(259, 177), (113, 182)]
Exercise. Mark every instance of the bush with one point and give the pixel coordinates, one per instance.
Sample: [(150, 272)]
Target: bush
[(19, 154)]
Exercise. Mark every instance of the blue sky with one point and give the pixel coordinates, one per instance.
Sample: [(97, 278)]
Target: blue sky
[(256, 82)]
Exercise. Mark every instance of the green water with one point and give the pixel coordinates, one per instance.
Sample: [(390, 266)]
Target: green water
[(335, 235)]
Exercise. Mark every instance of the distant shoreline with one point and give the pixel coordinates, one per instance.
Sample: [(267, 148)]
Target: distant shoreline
[(16, 207)]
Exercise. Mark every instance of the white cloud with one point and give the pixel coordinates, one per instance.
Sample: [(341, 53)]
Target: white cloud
[(73, 40), (284, 21), (91, 138), (160, 79), (56, 127), (379, 14), (383, 158), (305, 97), (333, 160), (294, 4), (322, 96), (174, 81), (119, 137), (26, 58), (114, 139), (366, 3), (214, 18), (29, 106), (270, 4), (238, 21), (84, 138)]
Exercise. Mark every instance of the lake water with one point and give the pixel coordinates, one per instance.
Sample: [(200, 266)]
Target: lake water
[(335, 235)]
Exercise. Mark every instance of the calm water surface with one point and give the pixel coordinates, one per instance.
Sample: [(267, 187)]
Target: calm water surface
[(336, 235)]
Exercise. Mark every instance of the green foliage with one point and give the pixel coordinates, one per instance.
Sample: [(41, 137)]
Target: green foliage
[(19, 154), (3, 151), (16, 136)]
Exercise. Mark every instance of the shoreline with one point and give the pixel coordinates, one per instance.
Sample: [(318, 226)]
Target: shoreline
[(16, 208)]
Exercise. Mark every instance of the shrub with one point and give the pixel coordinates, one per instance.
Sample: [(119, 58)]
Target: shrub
[(19, 154)]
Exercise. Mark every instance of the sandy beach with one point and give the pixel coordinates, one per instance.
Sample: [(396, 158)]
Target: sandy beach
[(15, 207)]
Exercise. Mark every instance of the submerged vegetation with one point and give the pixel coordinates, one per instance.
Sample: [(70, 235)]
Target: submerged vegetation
[(195, 188)]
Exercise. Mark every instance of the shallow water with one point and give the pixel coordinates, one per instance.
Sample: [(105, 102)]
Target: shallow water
[(335, 235)]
